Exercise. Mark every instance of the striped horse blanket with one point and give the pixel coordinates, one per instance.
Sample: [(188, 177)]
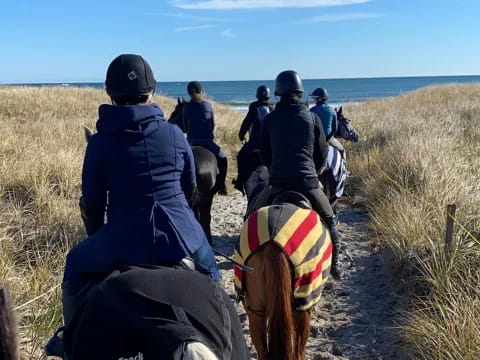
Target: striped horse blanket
[(337, 164), (303, 238)]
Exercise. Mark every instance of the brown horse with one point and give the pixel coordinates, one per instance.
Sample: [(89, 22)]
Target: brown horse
[(289, 249)]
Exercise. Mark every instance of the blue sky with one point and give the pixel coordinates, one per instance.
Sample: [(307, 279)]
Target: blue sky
[(67, 41)]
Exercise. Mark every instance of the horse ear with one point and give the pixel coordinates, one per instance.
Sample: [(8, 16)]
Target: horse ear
[(340, 109), (178, 100), (88, 133)]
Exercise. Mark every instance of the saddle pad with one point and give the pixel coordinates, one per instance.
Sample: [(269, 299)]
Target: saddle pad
[(302, 237)]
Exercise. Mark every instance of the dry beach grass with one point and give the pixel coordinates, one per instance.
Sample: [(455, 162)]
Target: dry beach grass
[(418, 153)]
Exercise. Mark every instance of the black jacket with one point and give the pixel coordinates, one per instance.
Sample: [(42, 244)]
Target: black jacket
[(253, 122), (146, 313), (293, 145)]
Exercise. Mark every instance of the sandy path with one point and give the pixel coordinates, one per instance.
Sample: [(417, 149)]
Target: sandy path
[(355, 316)]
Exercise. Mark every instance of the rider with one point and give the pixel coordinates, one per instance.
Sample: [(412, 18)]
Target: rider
[(325, 112), (138, 169), (200, 125), (294, 149), (252, 124)]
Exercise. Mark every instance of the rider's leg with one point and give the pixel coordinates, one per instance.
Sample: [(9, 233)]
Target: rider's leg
[(205, 261), (321, 205)]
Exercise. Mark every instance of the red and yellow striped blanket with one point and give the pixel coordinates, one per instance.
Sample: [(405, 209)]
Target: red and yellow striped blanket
[(303, 238)]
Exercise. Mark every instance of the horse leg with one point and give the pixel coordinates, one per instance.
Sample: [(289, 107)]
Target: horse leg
[(302, 330), (255, 304), (204, 217)]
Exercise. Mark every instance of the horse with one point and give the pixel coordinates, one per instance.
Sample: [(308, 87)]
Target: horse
[(333, 176), (289, 249), (206, 170), (9, 349), (139, 312)]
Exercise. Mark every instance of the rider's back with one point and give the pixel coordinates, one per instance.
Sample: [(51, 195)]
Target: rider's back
[(292, 146), (326, 113), (199, 120), (145, 164)]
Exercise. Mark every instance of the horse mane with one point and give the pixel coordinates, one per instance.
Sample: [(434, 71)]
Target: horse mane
[(281, 327), (8, 329)]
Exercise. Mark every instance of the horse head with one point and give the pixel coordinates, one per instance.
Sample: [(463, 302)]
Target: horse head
[(177, 115), (345, 130)]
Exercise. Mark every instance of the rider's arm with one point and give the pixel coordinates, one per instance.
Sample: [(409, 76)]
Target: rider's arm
[(188, 180), (247, 123), (94, 191), (265, 148), (320, 146)]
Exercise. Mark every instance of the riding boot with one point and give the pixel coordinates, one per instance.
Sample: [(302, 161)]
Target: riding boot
[(222, 175), (56, 345), (336, 268)]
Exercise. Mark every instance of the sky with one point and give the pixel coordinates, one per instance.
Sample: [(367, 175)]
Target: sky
[(74, 41)]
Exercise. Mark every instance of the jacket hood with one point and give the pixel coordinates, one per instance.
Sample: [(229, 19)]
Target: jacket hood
[(133, 119)]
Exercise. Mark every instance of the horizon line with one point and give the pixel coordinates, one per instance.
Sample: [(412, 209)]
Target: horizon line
[(237, 80)]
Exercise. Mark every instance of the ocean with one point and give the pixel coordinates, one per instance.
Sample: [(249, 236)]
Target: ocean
[(238, 94)]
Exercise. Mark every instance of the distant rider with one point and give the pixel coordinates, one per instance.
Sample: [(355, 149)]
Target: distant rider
[(294, 149), (199, 123), (252, 124), (325, 112), (137, 170)]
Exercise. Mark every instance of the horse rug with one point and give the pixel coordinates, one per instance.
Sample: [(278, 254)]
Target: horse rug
[(337, 164), (303, 238)]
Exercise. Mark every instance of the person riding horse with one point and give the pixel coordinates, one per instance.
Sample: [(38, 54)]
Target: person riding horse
[(294, 149), (248, 158), (199, 123), (325, 112), (138, 170), (150, 313)]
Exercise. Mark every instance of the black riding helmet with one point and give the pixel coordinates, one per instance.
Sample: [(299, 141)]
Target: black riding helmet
[(263, 92), (320, 93), (194, 87), (288, 82), (129, 74)]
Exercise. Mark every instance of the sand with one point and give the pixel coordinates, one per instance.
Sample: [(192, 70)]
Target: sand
[(356, 316)]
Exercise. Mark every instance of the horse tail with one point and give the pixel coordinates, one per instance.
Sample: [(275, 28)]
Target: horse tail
[(278, 281)]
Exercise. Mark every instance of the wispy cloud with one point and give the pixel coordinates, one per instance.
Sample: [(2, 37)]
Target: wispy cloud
[(255, 4), (197, 27), (339, 17), (228, 33), (194, 17)]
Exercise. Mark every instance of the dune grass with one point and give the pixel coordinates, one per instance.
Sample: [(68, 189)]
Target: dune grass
[(41, 153), (418, 153)]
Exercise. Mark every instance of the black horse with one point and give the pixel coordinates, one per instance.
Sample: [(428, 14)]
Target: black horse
[(206, 169), (345, 130)]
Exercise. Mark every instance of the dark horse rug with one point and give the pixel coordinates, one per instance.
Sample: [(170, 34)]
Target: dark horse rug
[(148, 313)]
